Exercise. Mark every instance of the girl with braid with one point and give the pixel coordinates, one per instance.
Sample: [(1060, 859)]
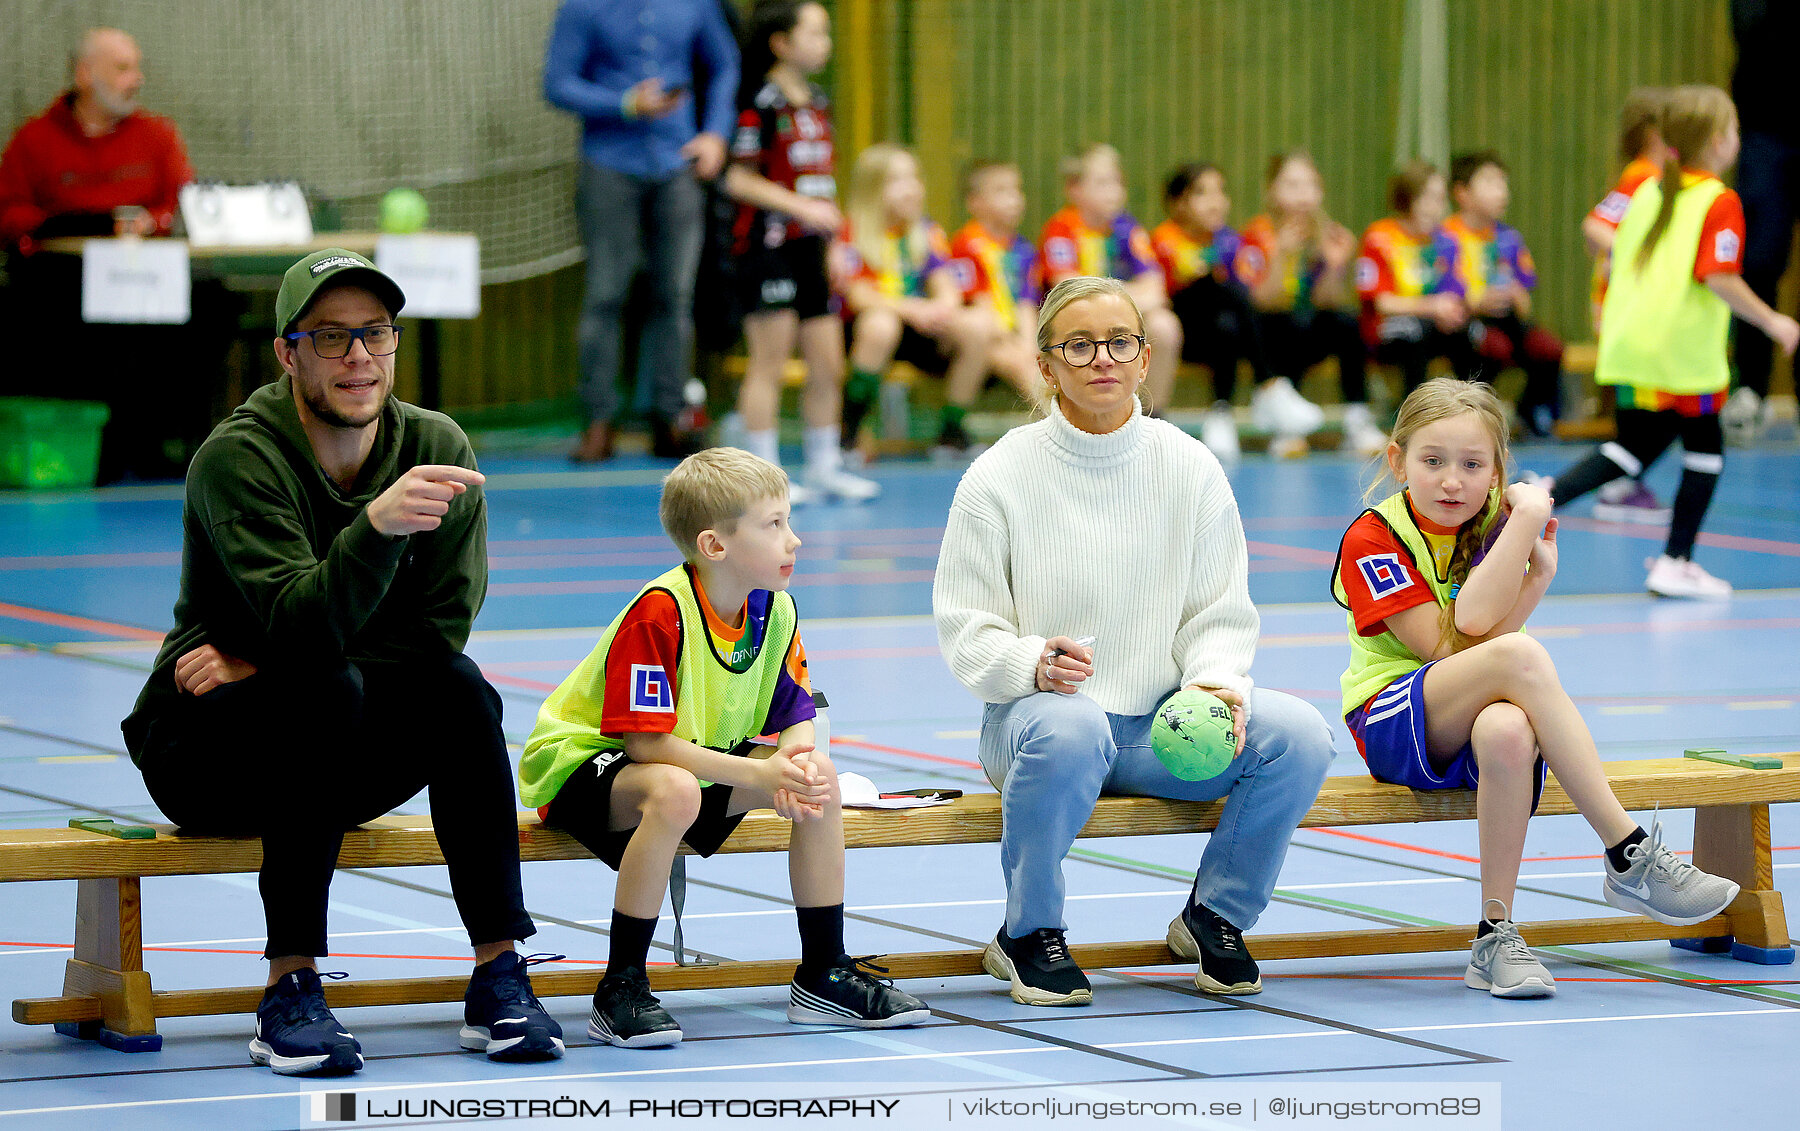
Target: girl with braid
[(1444, 691)]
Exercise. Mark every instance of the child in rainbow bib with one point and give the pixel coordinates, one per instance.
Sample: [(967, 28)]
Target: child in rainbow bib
[(1677, 278), (903, 298), (1295, 261), (1094, 236), (1444, 691), (1198, 249), (1493, 270), (1409, 313), (647, 743), (998, 269)]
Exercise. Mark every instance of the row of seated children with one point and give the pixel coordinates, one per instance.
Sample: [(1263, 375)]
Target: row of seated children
[(1272, 296), (886, 276)]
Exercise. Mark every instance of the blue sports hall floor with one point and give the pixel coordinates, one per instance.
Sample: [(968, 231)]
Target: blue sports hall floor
[(1640, 1035)]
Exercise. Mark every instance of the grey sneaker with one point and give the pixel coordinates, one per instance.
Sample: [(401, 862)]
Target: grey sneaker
[(1665, 887), (1501, 963)]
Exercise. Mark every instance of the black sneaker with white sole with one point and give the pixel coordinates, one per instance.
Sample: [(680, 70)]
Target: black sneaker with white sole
[(1039, 966), (1203, 935), (296, 1035), (627, 1014), (503, 1018), (852, 992)]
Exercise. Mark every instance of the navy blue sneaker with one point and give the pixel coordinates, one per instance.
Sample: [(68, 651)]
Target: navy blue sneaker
[(503, 1018), (296, 1035)]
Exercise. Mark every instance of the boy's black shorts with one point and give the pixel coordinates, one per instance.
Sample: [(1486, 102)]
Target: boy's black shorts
[(583, 806), (791, 276)]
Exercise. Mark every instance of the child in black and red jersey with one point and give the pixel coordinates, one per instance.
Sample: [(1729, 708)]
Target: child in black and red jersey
[(782, 174)]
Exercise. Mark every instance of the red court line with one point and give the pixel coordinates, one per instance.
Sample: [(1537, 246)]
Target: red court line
[(516, 681), (919, 754), (83, 624), (1400, 844), (824, 537), (1293, 553), (632, 585), (1660, 534), (86, 561)]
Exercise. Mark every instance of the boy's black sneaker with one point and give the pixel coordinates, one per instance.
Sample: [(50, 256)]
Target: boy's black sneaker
[(1039, 966), (627, 1014), (844, 995), (296, 1035), (1201, 934), (503, 1018)]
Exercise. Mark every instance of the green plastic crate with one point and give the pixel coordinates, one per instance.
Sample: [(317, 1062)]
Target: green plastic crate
[(49, 443)]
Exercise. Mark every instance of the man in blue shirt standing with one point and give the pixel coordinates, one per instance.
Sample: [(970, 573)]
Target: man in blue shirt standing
[(626, 67)]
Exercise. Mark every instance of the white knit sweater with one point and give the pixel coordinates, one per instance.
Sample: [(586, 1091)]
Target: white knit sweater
[(1132, 538)]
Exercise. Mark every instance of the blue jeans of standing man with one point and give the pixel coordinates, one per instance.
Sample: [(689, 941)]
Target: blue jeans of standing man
[(1052, 756), (629, 223)]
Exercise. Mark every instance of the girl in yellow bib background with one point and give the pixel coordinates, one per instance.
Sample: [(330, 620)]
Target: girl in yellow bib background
[(1677, 279)]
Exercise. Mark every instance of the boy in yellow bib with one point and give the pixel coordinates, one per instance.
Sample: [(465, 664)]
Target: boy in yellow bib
[(647, 743)]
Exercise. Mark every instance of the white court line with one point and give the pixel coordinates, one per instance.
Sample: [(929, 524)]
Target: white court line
[(1588, 1020), (893, 1058)]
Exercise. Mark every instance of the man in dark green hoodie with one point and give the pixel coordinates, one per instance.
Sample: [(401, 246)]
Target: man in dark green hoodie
[(334, 554)]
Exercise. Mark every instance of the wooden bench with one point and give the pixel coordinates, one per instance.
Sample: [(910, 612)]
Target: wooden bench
[(107, 993)]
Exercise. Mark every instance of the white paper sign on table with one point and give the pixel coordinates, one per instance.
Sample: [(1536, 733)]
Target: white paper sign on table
[(135, 280), (439, 273)]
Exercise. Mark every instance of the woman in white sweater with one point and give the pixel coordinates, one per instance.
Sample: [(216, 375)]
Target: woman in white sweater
[(1101, 522)]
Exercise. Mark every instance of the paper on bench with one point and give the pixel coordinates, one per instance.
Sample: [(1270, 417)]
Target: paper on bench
[(858, 792)]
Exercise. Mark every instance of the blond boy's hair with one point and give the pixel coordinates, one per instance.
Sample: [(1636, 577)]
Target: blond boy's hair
[(1074, 168), (711, 490)]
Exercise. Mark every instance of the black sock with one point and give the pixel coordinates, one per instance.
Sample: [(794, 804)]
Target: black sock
[(1616, 854), (821, 937), (1486, 927), (1596, 470), (630, 942), (1691, 500)]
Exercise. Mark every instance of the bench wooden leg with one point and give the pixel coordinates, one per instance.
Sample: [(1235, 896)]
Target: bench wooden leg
[(1733, 841), (109, 967)]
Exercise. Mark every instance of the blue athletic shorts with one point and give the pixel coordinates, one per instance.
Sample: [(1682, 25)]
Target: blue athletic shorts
[(1390, 731)]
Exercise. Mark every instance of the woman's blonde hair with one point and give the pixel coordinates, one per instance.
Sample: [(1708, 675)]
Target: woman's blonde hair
[(1442, 398), (1691, 117), (868, 219), (1074, 290)]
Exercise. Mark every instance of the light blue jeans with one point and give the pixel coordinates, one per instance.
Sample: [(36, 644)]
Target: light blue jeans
[(1052, 756)]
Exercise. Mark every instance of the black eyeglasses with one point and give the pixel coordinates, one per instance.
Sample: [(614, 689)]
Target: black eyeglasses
[(1081, 352), (334, 341)]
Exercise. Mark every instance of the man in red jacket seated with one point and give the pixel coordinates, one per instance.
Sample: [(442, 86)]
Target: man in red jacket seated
[(93, 158), (95, 164)]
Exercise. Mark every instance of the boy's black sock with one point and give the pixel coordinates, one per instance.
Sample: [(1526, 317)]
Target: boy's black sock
[(821, 937), (1486, 927), (630, 942), (1616, 854)]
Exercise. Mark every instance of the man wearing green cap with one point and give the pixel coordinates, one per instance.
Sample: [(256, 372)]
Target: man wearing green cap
[(334, 554)]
